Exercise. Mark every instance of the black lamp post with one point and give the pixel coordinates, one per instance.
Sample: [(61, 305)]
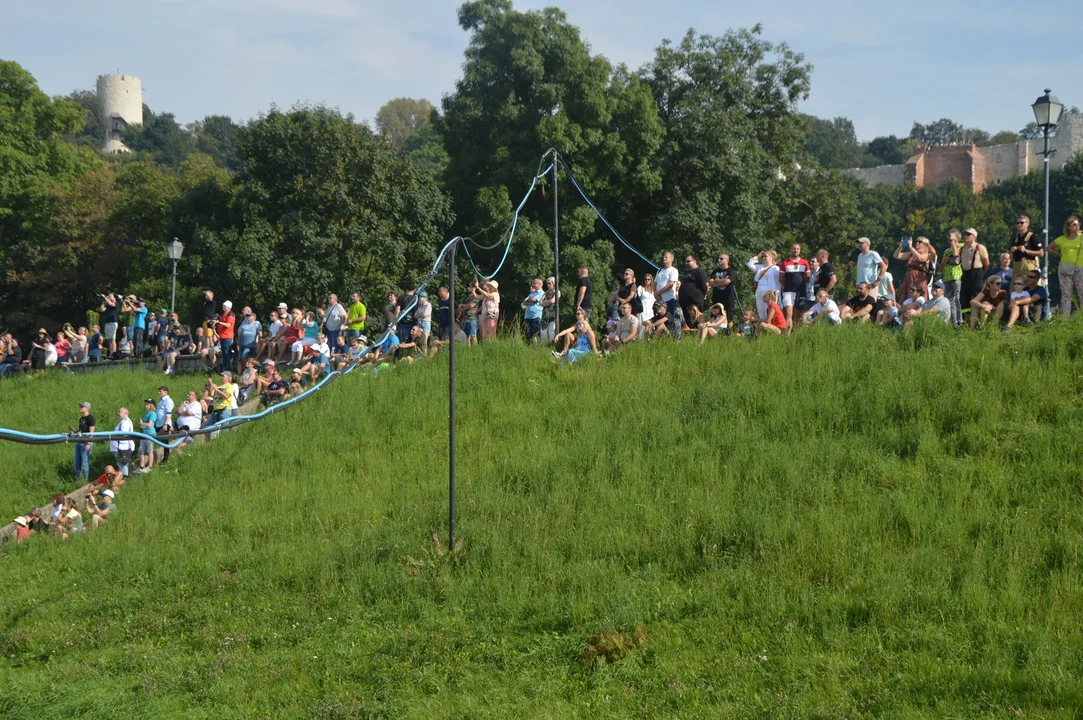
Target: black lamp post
[(174, 249), (1047, 111)]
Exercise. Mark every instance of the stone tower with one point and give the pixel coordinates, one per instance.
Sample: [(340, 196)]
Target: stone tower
[(121, 99)]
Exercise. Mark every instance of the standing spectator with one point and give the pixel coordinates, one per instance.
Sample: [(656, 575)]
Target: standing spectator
[(765, 266), (887, 286), (1003, 270), (870, 266), (723, 283), (146, 426), (860, 306), (334, 322), (776, 320), (549, 310), (79, 344), (163, 418), (83, 448), (919, 256), (222, 399), (1026, 249), (63, 346), (12, 358), (796, 272), (809, 298), (248, 335), (1070, 272), (584, 291), (826, 279), (355, 320), (666, 281), (628, 293), (406, 305), (988, 301), (824, 309), (646, 301), (693, 288), (189, 416), (974, 257), (490, 309), (94, 344), (123, 449), (39, 349), (937, 306), (423, 317), (209, 312), (138, 312), (443, 314), (1031, 295), (152, 333), (467, 312), (532, 309), (389, 313), (224, 327), (108, 317), (952, 275)]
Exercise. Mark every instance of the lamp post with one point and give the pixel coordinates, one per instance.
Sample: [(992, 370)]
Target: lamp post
[(1047, 110), (174, 249)]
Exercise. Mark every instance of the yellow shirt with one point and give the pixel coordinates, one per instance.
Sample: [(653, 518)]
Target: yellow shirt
[(357, 310), (1069, 249), (223, 403)]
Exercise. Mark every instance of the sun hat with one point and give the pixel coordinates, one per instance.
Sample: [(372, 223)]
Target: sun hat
[(108, 493), (20, 521), (495, 284), (297, 371)]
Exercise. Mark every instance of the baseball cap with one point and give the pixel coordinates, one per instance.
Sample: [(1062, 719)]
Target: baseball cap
[(148, 401), (861, 240), (108, 493), (227, 373), (939, 284), (297, 371), (228, 304), (142, 300), (423, 294), (84, 405), (163, 311), (283, 306), (970, 231), (268, 361)]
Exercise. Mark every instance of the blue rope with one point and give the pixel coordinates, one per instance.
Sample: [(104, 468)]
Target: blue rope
[(598, 212), (514, 224)]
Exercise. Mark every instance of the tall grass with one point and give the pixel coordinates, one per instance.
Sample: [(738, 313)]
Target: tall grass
[(841, 523)]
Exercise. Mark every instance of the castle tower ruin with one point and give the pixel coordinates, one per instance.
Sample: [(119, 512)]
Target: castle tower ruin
[(121, 100)]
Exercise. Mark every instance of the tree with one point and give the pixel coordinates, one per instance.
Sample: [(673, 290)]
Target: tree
[(400, 118), (425, 151), (833, 143), (161, 137), (92, 134), (216, 137), (890, 150)]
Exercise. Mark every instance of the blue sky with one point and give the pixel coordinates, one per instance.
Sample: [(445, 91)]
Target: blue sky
[(981, 64)]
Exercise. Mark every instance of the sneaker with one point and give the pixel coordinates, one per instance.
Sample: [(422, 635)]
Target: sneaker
[(558, 355), (1007, 329)]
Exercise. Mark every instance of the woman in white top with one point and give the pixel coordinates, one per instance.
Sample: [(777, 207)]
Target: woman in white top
[(490, 308), (646, 296), (765, 265)]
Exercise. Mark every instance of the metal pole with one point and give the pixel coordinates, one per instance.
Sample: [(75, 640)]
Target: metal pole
[(173, 296), (556, 242), (451, 402), (1045, 223)]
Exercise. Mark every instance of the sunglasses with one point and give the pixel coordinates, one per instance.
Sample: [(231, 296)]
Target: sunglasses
[(1020, 222)]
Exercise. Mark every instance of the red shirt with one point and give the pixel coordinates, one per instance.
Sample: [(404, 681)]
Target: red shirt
[(102, 480), (21, 533), (225, 325), (778, 320)]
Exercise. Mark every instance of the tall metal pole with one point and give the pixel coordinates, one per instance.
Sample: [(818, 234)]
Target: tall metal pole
[(451, 402), (173, 296), (1045, 224), (556, 241)]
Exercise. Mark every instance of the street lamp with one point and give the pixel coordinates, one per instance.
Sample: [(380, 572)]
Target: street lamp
[(1047, 110), (175, 249)]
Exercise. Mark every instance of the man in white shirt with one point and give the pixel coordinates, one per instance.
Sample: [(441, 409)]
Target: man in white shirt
[(123, 449), (665, 283), (825, 307), (336, 318), (870, 267)]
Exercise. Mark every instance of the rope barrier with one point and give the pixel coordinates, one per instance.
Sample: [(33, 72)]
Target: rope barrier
[(511, 237)]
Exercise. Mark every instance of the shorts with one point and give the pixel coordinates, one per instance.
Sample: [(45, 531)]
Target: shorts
[(146, 447), (109, 331), (426, 326), (789, 299), (470, 327)]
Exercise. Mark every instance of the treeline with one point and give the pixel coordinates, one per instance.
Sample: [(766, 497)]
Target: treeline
[(701, 149)]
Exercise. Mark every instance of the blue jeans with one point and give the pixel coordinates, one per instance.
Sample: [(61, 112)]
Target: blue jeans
[(82, 460), (671, 311), (332, 338), (227, 354), (246, 352), (533, 328), (137, 341)]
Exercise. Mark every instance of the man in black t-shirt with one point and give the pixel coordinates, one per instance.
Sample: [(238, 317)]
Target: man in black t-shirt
[(443, 312), (108, 320), (693, 290), (826, 280), (409, 300), (210, 312), (860, 306), (723, 280), (628, 293), (87, 425), (584, 292)]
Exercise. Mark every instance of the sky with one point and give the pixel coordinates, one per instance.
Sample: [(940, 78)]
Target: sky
[(884, 67)]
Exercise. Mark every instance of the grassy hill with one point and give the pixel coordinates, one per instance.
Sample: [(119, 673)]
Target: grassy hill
[(839, 524)]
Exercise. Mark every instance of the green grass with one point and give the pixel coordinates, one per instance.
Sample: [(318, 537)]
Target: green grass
[(838, 524)]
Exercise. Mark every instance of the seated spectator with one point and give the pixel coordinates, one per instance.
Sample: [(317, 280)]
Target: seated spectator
[(189, 417), (124, 345), (110, 479), (989, 300), (776, 319), (102, 510), (276, 390), (715, 323), (12, 359), (825, 309), (297, 383), (35, 522), (1035, 297), (859, 307), (22, 529), (626, 331), (914, 300), (585, 342), (309, 329), (58, 508), (71, 522), (693, 320), (353, 353), (660, 323), (749, 326), (247, 384), (888, 314), (413, 349), (1018, 292), (386, 349), (38, 350), (167, 355), (265, 345), (938, 306), (319, 360)]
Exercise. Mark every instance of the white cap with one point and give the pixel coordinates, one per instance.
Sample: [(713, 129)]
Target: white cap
[(108, 493), (228, 304)]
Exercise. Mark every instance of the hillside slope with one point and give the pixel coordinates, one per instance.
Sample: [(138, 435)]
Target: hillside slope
[(842, 523)]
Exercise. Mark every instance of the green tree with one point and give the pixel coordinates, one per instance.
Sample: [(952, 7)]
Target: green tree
[(890, 150), (425, 150), (216, 137), (401, 118), (833, 143), (161, 137), (92, 134)]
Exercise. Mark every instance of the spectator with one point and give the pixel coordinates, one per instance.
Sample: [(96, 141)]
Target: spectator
[(305, 330), (71, 522), (320, 360), (870, 266), (22, 529), (265, 345), (859, 307), (123, 449), (692, 292), (222, 399), (210, 315), (406, 305), (723, 282), (423, 317), (276, 390), (1070, 272), (387, 348), (693, 320), (937, 306), (111, 479), (647, 301), (660, 322), (101, 511), (12, 358), (354, 353), (1035, 297), (189, 417), (297, 382), (1003, 270), (152, 333), (888, 314), (1026, 249), (915, 301), (630, 294), (666, 281), (38, 350), (94, 344), (247, 384), (988, 301), (919, 256), (776, 320), (79, 343), (549, 310), (808, 297), (163, 418), (795, 271), (490, 309), (532, 309), (825, 308), (36, 523), (108, 317), (390, 312), (248, 335), (749, 326), (83, 448), (63, 347), (974, 258), (952, 275), (1018, 292), (826, 279), (584, 291), (356, 317), (467, 312), (887, 286), (146, 447), (138, 311), (715, 324), (443, 314), (627, 329), (411, 349), (767, 279), (335, 321), (584, 339)]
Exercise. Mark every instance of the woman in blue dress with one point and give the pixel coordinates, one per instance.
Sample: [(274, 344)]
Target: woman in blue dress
[(585, 342)]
